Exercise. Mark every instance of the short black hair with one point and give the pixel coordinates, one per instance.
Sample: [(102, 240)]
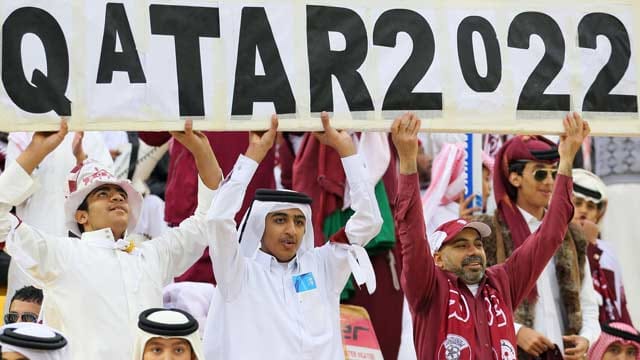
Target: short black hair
[(29, 294), (517, 166)]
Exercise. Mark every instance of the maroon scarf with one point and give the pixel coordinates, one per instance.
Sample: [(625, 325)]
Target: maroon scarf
[(518, 148), (459, 338), (608, 310)]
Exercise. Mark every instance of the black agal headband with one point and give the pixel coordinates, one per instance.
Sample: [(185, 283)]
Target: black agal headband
[(162, 329), (620, 333), (11, 337), (587, 192), (268, 195), (546, 155)]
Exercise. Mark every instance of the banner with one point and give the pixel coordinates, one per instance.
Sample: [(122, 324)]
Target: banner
[(501, 66)]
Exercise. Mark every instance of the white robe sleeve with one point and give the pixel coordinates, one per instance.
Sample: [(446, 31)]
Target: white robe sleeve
[(228, 263), (590, 312), (180, 247), (42, 256), (342, 260)]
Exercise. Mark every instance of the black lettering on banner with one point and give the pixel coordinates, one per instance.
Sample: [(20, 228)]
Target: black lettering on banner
[(532, 96), (273, 86), (400, 95), (187, 24), (116, 22), (598, 97), (49, 91), (466, 56), (324, 62)]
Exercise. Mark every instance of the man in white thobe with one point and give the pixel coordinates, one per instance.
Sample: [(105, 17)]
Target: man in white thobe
[(96, 286), (278, 296)]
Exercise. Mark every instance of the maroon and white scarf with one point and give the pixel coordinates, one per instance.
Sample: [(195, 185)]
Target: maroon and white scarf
[(459, 338)]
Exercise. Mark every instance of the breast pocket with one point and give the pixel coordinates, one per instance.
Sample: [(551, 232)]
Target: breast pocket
[(315, 312)]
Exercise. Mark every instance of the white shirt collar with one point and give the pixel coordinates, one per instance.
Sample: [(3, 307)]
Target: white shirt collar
[(531, 220), (269, 261)]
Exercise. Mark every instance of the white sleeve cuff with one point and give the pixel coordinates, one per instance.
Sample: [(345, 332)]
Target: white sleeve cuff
[(205, 197), (16, 185), (244, 169), (354, 168)]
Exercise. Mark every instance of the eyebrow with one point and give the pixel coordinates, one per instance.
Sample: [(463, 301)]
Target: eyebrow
[(542, 166), (108, 187)]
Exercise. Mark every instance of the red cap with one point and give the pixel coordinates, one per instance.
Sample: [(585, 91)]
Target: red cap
[(447, 231)]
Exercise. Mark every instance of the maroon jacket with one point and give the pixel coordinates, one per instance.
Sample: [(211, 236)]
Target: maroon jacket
[(426, 286), (181, 192)]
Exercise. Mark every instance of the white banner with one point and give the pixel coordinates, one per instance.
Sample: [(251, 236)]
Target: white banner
[(463, 66)]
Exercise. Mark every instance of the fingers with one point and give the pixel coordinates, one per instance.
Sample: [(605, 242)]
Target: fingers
[(64, 127), (188, 127), (326, 122), (274, 123)]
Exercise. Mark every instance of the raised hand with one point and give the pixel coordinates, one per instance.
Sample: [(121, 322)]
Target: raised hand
[(575, 131), (404, 134), (195, 141), (260, 142), (76, 147), (339, 140), (42, 144), (198, 144), (466, 212)]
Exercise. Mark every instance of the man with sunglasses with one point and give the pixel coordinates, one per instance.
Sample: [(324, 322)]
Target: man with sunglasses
[(561, 310), (25, 306)]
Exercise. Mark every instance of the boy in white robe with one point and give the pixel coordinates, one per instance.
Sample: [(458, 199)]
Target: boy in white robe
[(278, 296), (96, 286)]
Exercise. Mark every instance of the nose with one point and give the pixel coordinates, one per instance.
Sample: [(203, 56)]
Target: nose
[(117, 196), (290, 227)]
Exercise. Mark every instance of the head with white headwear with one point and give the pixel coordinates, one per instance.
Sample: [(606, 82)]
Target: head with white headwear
[(32, 341), (279, 223), (167, 332), (589, 196)]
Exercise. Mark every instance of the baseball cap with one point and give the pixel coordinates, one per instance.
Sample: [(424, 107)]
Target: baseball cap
[(448, 231)]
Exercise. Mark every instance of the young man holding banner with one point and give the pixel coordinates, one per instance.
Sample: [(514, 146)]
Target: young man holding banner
[(277, 295), (96, 285), (460, 308)]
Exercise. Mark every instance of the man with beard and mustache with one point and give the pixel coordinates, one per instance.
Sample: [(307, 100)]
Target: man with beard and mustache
[(559, 316), (461, 308)]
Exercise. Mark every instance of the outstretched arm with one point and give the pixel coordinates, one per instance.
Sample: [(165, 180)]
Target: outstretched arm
[(418, 268), (363, 225), (42, 255), (223, 237)]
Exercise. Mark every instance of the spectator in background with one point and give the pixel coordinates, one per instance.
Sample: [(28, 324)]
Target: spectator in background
[(28, 341), (618, 341), (25, 306), (590, 200), (181, 188), (167, 334), (616, 160)]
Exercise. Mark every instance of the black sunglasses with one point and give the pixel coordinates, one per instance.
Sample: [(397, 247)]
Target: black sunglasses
[(541, 174), (12, 317)]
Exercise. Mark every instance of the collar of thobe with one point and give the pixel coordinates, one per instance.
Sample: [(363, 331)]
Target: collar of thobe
[(104, 238), (270, 262)]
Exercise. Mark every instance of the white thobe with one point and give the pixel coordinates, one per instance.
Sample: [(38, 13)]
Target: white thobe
[(95, 292), (550, 316), (256, 311)]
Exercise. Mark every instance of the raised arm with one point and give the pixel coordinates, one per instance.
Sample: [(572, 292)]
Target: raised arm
[(229, 263), (364, 224), (418, 268), (42, 255), (180, 247)]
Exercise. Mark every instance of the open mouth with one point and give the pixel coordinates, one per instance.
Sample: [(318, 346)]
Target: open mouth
[(288, 243), (116, 208)]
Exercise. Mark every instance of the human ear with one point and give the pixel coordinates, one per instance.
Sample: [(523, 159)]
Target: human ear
[(82, 217), (437, 258), (515, 179)]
